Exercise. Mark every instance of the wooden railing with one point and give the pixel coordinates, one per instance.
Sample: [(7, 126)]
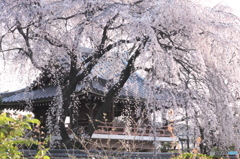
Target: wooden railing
[(133, 129)]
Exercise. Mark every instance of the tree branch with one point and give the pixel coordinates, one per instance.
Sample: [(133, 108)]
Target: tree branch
[(25, 37), (125, 74), (105, 29), (108, 48)]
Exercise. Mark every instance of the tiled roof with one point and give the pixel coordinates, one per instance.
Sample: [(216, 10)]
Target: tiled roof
[(45, 93), (133, 88)]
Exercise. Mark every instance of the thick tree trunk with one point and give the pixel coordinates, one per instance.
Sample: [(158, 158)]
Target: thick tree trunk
[(63, 132), (202, 146), (104, 109), (125, 74), (67, 91)]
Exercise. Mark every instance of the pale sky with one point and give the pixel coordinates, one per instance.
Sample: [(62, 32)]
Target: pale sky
[(234, 4), (12, 82)]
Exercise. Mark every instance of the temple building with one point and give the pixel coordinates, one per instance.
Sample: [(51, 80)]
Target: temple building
[(90, 95)]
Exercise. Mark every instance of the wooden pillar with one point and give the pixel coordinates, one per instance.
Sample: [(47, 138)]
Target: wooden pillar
[(90, 113)]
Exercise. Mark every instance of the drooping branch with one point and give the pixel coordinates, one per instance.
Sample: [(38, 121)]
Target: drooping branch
[(28, 52), (52, 41), (167, 36), (92, 61), (105, 29)]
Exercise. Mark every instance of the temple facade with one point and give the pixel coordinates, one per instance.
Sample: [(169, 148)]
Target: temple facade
[(90, 95)]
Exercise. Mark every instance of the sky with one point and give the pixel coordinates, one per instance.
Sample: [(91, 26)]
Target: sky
[(10, 81), (234, 4), (15, 76)]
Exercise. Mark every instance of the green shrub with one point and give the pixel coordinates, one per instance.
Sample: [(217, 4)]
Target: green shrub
[(12, 135), (192, 156)]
